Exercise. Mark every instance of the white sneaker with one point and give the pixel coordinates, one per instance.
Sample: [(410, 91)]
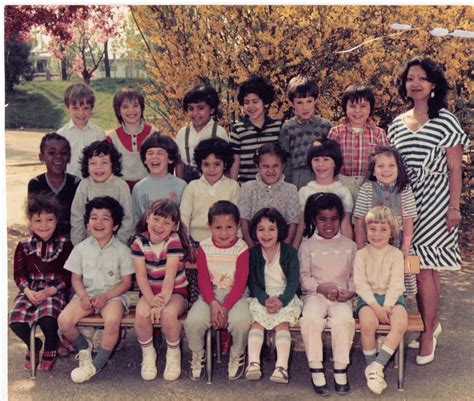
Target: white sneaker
[(173, 365), (375, 378), (197, 365), (85, 355), (83, 373), (149, 370), (236, 366)]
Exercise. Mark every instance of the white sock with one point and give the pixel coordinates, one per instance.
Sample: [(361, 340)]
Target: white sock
[(255, 343), (147, 347), (340, 378), (318, 378), (173, 347), (283, 346)]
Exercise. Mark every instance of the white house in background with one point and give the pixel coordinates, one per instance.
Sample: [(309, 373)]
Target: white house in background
[(48, 68)]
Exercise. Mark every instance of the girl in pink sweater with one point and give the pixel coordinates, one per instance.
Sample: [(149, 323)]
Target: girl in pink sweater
[(326, 259)]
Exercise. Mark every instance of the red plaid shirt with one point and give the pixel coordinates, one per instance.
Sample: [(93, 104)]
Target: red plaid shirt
[(356, 147)]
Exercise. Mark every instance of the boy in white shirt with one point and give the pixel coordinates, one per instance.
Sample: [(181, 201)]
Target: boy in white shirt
[(102, 271), (79, 100)]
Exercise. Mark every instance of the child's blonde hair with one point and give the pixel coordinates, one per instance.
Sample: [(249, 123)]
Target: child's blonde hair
[(382, 214)]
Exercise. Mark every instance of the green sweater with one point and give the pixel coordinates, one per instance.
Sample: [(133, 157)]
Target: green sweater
[(290, 266)]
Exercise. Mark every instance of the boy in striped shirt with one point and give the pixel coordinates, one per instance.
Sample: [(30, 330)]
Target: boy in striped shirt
[(256, 128)]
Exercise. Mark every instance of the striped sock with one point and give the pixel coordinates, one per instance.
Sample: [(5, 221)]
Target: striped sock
[(370, 355), (384, 355), (146, 343), (255, 343), (283, 346)]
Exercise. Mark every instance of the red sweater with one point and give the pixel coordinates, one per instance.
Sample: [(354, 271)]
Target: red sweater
[(223, 267)]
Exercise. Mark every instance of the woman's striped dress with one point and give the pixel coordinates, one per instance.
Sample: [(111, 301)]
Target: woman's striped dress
[(424, 156)]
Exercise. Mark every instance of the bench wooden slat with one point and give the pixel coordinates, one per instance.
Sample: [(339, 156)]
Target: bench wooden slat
[(127, 320), (415, 323)]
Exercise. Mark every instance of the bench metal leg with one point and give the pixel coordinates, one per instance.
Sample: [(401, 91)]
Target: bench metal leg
[(209, 355), (218, 346), (33, 350), (401, 364)]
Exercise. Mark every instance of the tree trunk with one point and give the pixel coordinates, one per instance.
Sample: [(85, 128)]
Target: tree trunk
[(64, 69), (106, 59)]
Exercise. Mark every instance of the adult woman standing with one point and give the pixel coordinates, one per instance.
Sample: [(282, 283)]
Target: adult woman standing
[(431, 140)]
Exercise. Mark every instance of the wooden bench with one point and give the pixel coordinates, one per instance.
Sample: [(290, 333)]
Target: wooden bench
[(415, 324)]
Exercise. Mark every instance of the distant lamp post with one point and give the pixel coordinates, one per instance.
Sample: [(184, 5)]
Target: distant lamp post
[(401, 27), (458, 33)]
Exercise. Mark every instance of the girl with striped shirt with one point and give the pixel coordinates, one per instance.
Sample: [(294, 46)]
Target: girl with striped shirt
[(387, 185), (159, 252)]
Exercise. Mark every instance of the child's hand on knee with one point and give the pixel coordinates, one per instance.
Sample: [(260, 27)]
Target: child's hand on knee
[(381, 313), (86, 302), (223, 315), (344, 295), (99, 301), (32, 296), (215, 314), (388, 309), (40, 297), (158, 301), (154, 314), (329, 290), (163, 299), (273, 304)]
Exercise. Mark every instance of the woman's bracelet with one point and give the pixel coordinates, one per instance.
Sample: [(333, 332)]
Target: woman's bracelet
[(454, 208)]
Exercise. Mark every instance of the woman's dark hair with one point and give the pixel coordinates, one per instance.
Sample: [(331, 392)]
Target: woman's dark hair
[(272, 148), (315, 203), (325, 148), (127, 93), (101, 148), (402, 178), (157, 140), (43, 203), (167, 208), (223, 208), (355, 93), (202, 93), (259, 86), (108, 203), (274, 216), (218, 147), (53, 136), (434, 74)]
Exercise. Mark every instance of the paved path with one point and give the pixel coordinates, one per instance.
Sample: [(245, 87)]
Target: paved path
[(449, 377)]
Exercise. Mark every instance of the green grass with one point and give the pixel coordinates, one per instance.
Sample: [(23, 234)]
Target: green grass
[(39, 105)]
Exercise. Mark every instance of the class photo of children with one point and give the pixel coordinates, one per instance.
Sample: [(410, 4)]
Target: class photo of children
[(235, 202)]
